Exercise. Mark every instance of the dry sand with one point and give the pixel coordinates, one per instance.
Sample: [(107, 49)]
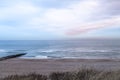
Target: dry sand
[(46, 66)]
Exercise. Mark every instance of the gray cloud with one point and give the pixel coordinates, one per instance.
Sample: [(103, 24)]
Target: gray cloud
[(112, 7), (106, 9)]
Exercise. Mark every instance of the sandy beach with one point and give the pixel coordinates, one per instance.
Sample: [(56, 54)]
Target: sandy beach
[(46, 66)]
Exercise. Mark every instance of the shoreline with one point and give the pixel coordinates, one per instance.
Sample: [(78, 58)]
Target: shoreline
[(46, 66)]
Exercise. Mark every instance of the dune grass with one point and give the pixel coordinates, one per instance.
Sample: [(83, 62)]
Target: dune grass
[(82, 74)]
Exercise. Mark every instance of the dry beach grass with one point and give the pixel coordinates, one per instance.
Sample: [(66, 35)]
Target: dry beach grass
[(83, 74)]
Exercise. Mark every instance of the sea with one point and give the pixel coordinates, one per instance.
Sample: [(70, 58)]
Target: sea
[(62, 49)]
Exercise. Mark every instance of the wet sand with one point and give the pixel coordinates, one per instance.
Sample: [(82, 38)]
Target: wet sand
[(46, 66)]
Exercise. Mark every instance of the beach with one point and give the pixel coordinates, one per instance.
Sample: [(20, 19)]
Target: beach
[(46, 66)]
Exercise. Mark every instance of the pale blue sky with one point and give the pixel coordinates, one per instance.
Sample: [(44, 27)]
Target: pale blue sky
[(59, 19)]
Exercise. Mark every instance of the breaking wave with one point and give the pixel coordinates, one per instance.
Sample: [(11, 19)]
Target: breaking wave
[(2, 50)]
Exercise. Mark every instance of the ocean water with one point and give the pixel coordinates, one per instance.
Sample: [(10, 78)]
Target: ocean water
[(47, 49)]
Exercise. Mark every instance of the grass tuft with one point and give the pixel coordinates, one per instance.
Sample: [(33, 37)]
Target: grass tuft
[(82, 74)]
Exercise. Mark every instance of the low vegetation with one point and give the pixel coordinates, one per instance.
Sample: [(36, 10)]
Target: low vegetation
[(82, 74)]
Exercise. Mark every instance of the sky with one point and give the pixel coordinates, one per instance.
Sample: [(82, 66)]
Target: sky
[(59, 19)]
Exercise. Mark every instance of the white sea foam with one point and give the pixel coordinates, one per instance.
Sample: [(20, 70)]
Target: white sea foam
[(75, 50), (47, 50), (41, 57), (90, 50), (53, 50), (2, 50), (81, 53)]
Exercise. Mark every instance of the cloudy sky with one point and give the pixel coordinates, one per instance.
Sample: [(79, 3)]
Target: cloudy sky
[(59, 19)]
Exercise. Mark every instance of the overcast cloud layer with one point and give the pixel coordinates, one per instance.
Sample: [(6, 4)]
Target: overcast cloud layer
[(55, 19)]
